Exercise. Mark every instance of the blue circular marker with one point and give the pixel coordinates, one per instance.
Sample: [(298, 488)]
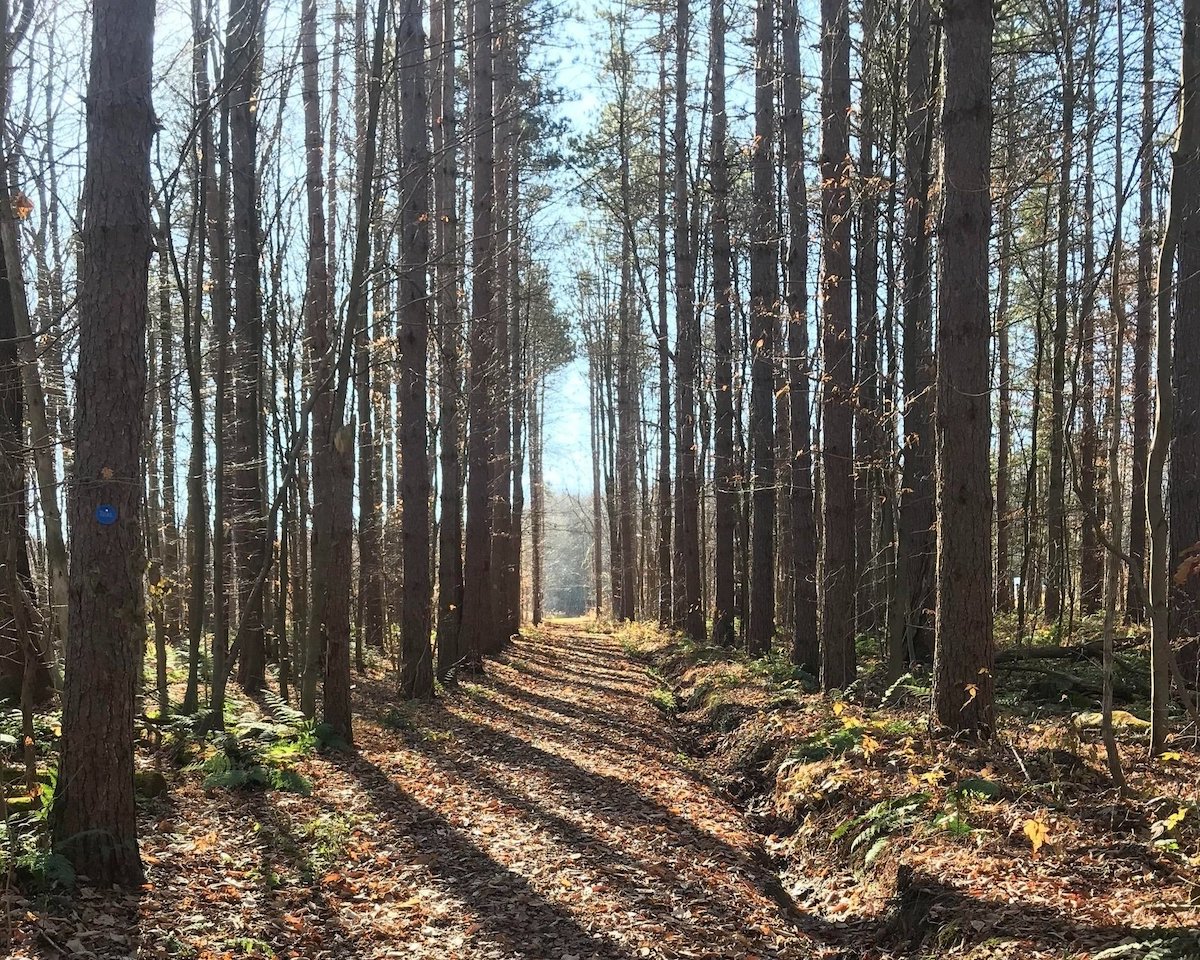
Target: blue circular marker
[(106, 514)]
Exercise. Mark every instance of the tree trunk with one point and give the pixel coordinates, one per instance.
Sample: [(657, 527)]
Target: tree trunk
[(837, 385), (806, 644), (221, 309), (450, 527), (537, 490), (1181, 237), (917, 541), (724, 466), (94, 815), (764, 310), (868, 454), (1091, 564), (243, 71), (1056, 529), (478, 629), (597, 510), (194, 359), (325, 467), (626, 438), (1116, 504), (416, 657), (1144, 330), (687, 508), (18, 658), (662, 337), (1004, 414), (965, 647), (1184, 480), (506, 589)]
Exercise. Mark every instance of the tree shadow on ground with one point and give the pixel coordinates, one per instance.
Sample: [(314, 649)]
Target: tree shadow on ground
[(930, 915), (559, 675), (506, 910), (655, 882)]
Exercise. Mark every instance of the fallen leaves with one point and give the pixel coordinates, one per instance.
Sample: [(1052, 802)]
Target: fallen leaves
[(543, 812), (1037, 832)]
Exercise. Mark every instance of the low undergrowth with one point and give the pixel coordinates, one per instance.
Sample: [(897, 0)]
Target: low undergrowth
[(913, 846)]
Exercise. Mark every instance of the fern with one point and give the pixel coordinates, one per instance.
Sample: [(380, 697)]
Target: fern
[(237, 764), (906, 686), (284, 713), (871, 832)]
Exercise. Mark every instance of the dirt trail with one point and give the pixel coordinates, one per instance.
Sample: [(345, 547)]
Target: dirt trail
[(542, 811)]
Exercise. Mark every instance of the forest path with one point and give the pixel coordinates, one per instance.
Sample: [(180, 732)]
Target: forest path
[(550, 815), (541, 811)]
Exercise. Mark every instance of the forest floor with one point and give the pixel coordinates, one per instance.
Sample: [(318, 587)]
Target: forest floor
[(542, 811), (612, 794), (894, 843)]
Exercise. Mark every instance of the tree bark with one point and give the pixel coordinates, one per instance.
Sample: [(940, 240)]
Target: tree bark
[(965, 647), (1004, 412), (1181, 238), (416, 657), (837, 385), (868, 454), (662, 339), (917, 540), (1056, 527), (1144, 328), (478, 630), (243, 70), (764, 307), (450, 525), (1184, 477), (94, 816), (1091, 562), (806, 643), (724, 466), (687, 508)]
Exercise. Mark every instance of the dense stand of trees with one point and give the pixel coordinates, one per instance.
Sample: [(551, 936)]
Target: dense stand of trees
[(905, 376), (859, 333)]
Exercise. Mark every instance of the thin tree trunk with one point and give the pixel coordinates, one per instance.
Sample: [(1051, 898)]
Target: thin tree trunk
[(1004, 580), (537, 488), (1056, 532), (597, 511), (1116, 504), (1181, 236), (868, 454), (917, 540), (806, 644), (764, 309), (43, 448), (1091, 563), (450, 526), (205, 189), (662, 337), (243, 71), (1144, 330), (416, 657), (506, 591), (626, 436), (687, 507), (838, 557), (724, 466), (478, 629)]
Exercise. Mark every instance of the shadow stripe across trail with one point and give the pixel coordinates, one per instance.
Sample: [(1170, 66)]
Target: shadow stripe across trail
[(553, 804)]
